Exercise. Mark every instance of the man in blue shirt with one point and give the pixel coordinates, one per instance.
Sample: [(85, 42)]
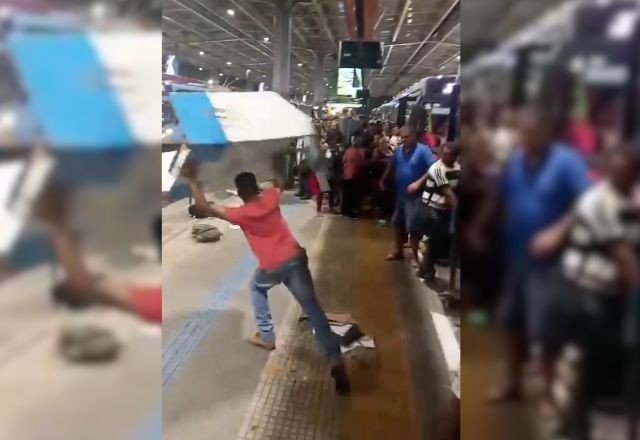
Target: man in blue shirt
[(540, 184), (410, 162)]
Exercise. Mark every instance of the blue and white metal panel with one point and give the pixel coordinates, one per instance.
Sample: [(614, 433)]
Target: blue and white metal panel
[(91, 91), (220, 118)]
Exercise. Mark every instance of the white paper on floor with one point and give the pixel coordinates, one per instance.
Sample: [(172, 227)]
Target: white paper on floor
[(342, 329)]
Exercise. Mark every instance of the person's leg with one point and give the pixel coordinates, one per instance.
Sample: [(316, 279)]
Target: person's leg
[(355, 196), (438, 236), (260, 285), (332, 201), (544, 315), (511, 317), (347, 202), (300, 283), (453, 263), (304, 186), (400, 233), (413, 227), (319, 198), (344, 199)]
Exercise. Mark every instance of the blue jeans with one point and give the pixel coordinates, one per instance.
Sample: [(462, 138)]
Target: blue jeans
[(405, 215), (296, 276)]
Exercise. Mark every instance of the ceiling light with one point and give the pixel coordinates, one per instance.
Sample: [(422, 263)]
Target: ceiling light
[(200, 69), (201, 53), (231, 12), (8, 119), (219, 74), (210, 82), (409, 21), (458, 58), (300, 64), (265, 39), (264, 76), (99, 10), (228, 63), (410, 14)]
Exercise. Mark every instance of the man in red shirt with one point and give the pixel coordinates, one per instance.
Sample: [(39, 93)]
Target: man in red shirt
[(281, 260)]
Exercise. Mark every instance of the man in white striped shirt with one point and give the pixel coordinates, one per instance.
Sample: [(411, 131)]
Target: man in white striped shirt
[(438, 199)]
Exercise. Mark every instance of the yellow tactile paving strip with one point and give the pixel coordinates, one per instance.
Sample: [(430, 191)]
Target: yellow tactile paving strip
[(382, 405), (482, 359), (295, 399)]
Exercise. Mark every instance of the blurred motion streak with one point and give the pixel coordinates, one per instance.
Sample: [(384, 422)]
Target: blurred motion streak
[(80, 130), (550, 131)]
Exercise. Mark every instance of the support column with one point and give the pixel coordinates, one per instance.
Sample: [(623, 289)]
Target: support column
[(247, 77), (282, 48), (318, 79)]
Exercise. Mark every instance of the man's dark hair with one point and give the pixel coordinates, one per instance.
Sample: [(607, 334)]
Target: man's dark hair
[(358, 141), (454, 147), (630, 151), (411, 128), (247, 184)]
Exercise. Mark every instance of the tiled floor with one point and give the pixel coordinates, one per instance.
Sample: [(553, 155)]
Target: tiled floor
[(296, 399)]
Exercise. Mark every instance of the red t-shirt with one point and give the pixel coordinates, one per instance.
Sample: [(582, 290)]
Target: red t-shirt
[(353, 162), (147, 302), (266, 230)]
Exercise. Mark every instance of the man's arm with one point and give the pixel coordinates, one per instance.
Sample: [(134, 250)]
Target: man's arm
[(627, 263), (52, 209), (548, 241), (77, 274), (189, 171), (450, 197), (387, 172), (209, 208), (418, 184)]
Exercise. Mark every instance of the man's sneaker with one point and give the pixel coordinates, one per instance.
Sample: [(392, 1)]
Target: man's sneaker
[(256, 340), (341, 378)]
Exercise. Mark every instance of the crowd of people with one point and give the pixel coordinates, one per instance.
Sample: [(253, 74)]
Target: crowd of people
[(551, 234), (398, 175)]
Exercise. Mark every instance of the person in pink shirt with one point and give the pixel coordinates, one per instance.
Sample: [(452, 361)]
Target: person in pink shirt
[(280, 260), (353, 166)]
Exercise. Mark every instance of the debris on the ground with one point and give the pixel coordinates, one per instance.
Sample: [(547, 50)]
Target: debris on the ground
[(205, 233), (337, 317), (351, 337), (87, 344)]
